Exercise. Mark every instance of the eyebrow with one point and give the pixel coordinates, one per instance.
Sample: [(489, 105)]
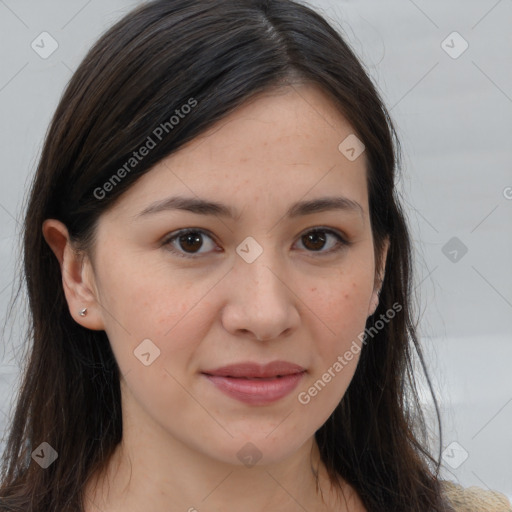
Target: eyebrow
[(205, 207)]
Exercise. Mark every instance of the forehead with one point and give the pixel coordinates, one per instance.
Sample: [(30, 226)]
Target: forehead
[(274, 150)]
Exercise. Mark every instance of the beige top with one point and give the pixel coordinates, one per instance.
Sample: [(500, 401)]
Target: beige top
[(475, 499)]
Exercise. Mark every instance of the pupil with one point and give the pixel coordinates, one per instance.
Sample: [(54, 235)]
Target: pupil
[(190, 238), (314, 237)]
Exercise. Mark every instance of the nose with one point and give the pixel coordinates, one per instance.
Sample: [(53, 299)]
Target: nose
[(261, 302)]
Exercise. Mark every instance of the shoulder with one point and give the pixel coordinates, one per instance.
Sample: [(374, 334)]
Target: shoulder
[(474, 499)]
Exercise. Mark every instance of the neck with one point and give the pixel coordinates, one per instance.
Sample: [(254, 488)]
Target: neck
[(143, 476)]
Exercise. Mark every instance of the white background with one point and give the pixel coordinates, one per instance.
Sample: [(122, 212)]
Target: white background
[(454, 117)]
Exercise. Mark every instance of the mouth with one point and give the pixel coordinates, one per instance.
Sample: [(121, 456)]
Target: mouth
[(256, 384), (250, 370)]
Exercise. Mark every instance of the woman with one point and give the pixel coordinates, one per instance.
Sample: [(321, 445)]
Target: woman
[(218, 270)]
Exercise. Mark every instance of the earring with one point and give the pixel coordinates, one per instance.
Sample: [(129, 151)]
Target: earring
[(83, 312)]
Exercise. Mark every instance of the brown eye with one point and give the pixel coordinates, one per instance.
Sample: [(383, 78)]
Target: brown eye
[(190, 241), (187, 243), (315, 240)]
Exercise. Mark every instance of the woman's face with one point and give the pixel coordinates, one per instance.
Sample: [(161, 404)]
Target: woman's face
[(258, 287)]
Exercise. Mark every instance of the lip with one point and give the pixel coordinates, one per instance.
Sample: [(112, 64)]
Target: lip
[(253, 370), (254, 383)]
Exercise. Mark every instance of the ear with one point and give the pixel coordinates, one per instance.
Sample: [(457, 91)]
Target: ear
[(77, 276), (379, 278)]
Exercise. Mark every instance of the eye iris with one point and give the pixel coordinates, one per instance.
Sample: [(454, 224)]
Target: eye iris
[(190, 238), (315, 236), (191, 241)]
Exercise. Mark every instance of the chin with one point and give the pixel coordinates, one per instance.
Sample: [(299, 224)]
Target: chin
[(257, 448)]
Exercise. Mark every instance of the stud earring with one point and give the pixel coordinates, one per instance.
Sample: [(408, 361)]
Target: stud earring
[(83, 312)]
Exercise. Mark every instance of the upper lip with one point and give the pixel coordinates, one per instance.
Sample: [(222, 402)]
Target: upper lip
[(254, 370)]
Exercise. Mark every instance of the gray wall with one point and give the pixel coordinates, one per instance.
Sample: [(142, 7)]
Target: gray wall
[(453, 110)]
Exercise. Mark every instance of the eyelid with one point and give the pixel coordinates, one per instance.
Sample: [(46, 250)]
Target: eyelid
[(168, 239), (342, 239), (334, 231)]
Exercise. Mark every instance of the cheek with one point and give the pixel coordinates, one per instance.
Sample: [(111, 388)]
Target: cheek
[(174, 310), (340, 302), (340, 313), (147, 295), (141, 302), (339, 308)]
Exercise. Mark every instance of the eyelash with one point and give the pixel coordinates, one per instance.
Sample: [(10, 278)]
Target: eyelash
[(341, 241)]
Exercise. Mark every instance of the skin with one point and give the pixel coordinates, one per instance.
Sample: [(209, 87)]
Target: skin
[(181, 434)]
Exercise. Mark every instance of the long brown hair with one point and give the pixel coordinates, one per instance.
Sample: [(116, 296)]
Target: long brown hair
[(151, 62)]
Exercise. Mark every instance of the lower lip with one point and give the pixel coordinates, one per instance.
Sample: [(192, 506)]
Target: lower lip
[(256, 391)]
